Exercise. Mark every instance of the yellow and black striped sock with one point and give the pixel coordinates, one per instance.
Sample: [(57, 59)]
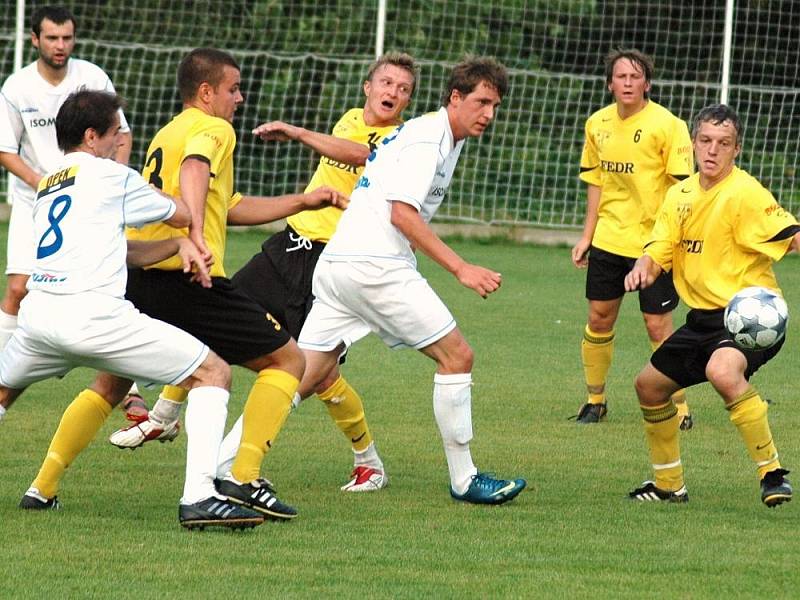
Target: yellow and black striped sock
[(265, 411), (346, 409), (79, 424), (597, 349), (661, 424), (749, 413)]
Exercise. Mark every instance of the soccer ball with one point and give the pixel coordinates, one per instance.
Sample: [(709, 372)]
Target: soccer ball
[(756, 318)]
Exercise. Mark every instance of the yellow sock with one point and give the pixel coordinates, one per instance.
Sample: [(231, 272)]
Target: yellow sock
[(597, 349), (749, 413), (661, 428), (173, 393), (79, 424), (679, 397), (265, 411), (346, 409)]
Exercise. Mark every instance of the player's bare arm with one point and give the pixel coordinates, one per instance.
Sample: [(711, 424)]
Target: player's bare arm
[(645, 271), (123, 154), (14, 164), (580, 251), (182, 217), (195, 176), (795, 245), (142, 253), (257, 210), (338, 149), (406, 218)]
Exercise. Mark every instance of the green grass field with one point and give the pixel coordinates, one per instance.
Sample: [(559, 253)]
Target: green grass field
[(571, 533)]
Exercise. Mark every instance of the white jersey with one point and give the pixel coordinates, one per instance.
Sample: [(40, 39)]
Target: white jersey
[(79, 219), (28, 109), (413, 165)]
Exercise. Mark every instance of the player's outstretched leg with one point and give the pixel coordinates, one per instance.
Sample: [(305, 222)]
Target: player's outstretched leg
[(80, 422), (134, 405), (265, 411), (345, 407), (160, 424)]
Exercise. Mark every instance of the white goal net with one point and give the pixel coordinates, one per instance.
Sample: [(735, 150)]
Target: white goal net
[(304, 61)]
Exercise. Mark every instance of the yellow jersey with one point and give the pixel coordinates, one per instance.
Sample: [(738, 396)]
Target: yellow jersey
[(633, 161), (194, 134), (720, 240), (319, 225)]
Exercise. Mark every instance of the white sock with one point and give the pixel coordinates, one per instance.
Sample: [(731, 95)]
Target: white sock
[(229, 448), (368, 458), (452, 407), (296, 400), (134, 391), (166, 411), (206, 411), (2, 412), (8, 323)]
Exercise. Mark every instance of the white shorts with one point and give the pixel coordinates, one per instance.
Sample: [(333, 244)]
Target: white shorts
[(56, 333), (21, 253), (390, 298)]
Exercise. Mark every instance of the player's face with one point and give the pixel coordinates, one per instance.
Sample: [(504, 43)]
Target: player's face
[(471, 114), (628, 84), (388, 94), (226, 97), (715, 150), (105, 146), (55, 43)]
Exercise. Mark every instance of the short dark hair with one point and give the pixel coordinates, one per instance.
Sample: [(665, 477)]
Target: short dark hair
[(717, 114), (202, 65), (397, 59), (637, 57), (86, 109), (57, 14), (467, 74)]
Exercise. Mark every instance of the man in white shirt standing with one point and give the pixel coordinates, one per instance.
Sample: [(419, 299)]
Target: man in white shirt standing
[(29, 103), (367, 279)]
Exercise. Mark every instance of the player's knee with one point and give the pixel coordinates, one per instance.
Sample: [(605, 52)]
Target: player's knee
[(659, 327), (112, 388), (289, 358), (459, 360), (646, 390), (214, 372), (722, 376), (601, 322), (329, 379)]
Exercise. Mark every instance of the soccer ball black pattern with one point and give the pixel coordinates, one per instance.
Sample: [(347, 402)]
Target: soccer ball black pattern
[(756, 318)]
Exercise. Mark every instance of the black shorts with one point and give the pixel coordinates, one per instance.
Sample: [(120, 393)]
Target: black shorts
[(222, 317), (605, 280), (684, 355), (279, 278)]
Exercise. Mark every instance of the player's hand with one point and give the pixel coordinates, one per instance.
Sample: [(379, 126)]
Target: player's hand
[(199, 241), (642, 275), (277, 131), (195, 262), (580, 253), (483, 281), (325, 196)]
